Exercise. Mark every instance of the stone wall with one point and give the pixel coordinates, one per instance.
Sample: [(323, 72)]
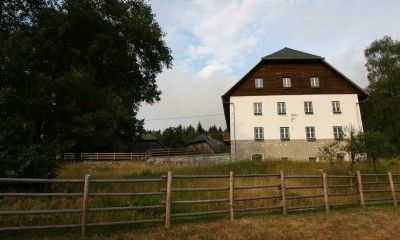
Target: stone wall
[(296, 149), (202, 159)]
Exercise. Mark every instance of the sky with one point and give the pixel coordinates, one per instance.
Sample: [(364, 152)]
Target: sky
[(216, 42)]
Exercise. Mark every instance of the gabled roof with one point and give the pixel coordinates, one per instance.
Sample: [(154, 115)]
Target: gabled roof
[(204, 138), (149, 137), (290, 54)]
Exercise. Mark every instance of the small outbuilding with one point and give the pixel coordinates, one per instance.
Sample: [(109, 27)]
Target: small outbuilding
[(205, 144), (148, 142)]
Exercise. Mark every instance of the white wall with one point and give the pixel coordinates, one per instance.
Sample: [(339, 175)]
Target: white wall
[(243, 120)]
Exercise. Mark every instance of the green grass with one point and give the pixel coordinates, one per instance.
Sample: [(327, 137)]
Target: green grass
[(131, 170)]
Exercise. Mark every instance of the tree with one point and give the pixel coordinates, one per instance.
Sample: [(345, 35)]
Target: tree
[(73, 75), (200, 129), (375, 145), (354, 144), (381, 112)]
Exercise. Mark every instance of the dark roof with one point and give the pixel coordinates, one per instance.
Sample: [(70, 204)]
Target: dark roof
[(204, 138), (290, 54), (149, 137)]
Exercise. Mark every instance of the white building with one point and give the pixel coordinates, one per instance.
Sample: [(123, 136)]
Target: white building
[(288, 106)]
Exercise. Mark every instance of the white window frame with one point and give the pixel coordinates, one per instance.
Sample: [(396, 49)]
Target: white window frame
[(336, 107), (286, 82), (259, 83), (310, 132), (314, 82), (258, 133), (284, 133), (257, 106), (281, 107), (338, 132), (308, 107)]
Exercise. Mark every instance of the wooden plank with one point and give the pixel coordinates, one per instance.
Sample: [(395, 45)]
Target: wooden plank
[(39, 227), (85, 205), (393, 190), (192, 214), (39, 212), (257, 186), (40, 180), (168, 202), (108, 209), (124, 222), (325, 192), (257, 197), (351, 180), (360, 189), (201, 201), (231, 195), (283, 193)]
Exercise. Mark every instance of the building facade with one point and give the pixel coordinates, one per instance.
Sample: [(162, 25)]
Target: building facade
[(290, 105)]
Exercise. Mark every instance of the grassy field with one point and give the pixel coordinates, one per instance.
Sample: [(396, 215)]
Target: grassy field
[(371, 223), (129, 170)]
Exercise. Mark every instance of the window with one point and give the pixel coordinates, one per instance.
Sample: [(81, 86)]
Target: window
[(338, 132), (310, 133), (314, 81), (256, 157), (257, 108), (258, 133), (281, 108), (286, 82), (308, 108), (259, 83), (312, 159), (336, 107), (285, 133)]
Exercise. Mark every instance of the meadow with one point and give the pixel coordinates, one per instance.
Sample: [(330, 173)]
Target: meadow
[(131, 170)]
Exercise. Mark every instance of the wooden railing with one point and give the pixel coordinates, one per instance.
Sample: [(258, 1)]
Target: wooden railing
[(355, 190), (107, 156), (141, 156)]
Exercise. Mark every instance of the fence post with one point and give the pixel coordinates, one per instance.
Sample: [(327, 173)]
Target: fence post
[(131, 156), (324, 177), (114, 156), (351, 180), (392, 189), (360, 189), (168, 201), (85, 204), (283, 192), (231, 195)]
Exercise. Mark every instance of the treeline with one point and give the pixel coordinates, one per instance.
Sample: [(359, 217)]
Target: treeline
[(177, 137), (381, 110)]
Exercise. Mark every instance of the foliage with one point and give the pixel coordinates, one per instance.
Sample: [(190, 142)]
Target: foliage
[(375, 145), (73, 75), (328, 152), (177, 137), (381, 111)]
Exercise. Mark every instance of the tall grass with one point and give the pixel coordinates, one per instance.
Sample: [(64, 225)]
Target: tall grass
[(131, 170)]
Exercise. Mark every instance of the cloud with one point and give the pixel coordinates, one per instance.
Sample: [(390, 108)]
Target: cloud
[(215, 43)]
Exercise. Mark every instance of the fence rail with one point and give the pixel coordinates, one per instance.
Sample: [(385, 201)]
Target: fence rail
[(118, 156), (283, 197)]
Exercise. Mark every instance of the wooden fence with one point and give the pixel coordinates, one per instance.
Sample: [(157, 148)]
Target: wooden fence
[(356, 187), (141, 156)]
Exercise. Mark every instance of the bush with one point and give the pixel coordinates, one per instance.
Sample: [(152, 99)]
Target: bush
[(32, 161)]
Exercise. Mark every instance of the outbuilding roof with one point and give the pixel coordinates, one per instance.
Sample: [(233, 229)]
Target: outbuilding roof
[(204, 138)]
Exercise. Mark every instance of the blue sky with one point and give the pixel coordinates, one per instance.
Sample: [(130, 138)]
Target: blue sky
[(215, 42)]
